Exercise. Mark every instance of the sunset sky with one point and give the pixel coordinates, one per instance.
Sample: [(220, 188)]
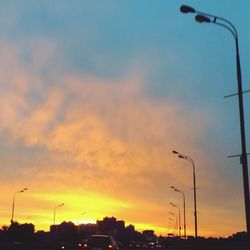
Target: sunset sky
[(95, 95)]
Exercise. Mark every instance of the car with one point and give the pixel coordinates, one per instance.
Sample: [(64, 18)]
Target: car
[(82, 243), (66, 246), (137, 244), (101, 242)]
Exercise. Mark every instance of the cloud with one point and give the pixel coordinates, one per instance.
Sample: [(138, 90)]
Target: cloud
[(73, 132)]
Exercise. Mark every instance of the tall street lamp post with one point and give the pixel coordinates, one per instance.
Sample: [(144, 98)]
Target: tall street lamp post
[(184, 208), (203, 17), (13, 203), (78, 223), (176, 223), (79, 217), (170, 224), (60, 205), (179, 211), (185, 157)]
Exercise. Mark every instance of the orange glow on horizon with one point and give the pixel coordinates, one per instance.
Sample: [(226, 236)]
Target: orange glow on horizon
[(85, 208)]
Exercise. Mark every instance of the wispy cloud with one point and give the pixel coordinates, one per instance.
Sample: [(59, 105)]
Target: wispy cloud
[(75, 132)]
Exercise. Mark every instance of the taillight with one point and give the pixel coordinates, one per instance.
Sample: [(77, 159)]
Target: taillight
[(85, 245), (109, 246)]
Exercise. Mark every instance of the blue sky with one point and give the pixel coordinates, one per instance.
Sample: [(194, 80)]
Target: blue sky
[(99, 89)]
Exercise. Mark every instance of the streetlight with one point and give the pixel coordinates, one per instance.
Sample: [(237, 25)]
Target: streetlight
[(81, 215), (176, 206), (78, 223), (184, 207), (185, 157), (60, 205), (170, 224), (202, 17), (170, 219), (176, 224), (13, 203)]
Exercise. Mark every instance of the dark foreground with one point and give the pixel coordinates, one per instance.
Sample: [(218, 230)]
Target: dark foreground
[(171, 245), (164, 248), (68, 236)]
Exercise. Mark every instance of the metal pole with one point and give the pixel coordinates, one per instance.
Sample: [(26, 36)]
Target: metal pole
[(55, 211), (176, 223), (184, 214), (185, 157), (13, 207), (13, 203), (243, 141), (195, 203), (208, 18), (184, 209), (179, 222)]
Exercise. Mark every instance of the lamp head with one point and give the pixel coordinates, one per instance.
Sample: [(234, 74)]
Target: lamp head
[(60, 205), (202, 19), (187, 9), (23, 190), (175, 189)]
